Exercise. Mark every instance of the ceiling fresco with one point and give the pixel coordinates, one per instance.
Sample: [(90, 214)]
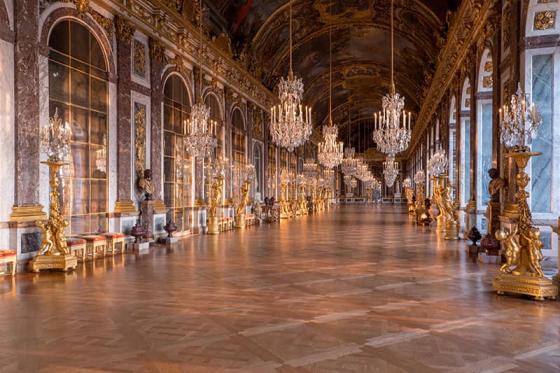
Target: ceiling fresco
[(361, 54)]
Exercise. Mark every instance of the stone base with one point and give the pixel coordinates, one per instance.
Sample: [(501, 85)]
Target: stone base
[(240, 222), (537, 287), (213, 226), (53, 262), (169, 240), (451, 230), (141, 248)]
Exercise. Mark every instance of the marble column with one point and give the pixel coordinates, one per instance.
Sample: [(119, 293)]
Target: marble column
[(26, 80), (124, 33), (157, 61)]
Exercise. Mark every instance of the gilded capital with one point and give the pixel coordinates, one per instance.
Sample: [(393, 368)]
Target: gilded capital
[(124, 29)]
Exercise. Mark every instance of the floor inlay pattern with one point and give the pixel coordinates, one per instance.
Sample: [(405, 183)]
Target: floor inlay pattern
[(353, 290)]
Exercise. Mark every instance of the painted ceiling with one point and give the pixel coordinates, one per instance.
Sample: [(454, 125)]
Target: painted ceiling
[(361, 49)]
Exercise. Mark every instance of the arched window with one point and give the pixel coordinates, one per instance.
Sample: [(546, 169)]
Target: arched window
[(484, 129), (239, 154), (177, 163), (465, 128), (258, 163), (542, 83), (78, 91)]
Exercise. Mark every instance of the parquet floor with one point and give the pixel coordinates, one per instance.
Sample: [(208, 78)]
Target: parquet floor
[(353, 290)]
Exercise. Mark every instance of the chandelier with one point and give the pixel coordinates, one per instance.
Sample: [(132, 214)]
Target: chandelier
[(350, 182), (290, 124), (349, 163), (200, 139), (392, 131), (420, 177), (437, 164), (330, 150), (519, 122), (390, 171), (55, 139)]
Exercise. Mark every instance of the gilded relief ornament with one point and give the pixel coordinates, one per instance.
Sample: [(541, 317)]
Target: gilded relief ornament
[(140, 137), (82, 6), (545, 20), (157, 50), (139, 58), (124, 29)]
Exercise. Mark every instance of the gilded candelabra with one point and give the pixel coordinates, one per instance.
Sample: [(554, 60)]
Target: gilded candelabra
[(284, 195), (240, 221), (216, 188), (422, 216), (54, 253), (522, 273)]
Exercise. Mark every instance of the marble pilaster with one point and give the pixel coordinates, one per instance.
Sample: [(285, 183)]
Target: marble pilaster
[(26, 80), (157, 51), (124, 33)]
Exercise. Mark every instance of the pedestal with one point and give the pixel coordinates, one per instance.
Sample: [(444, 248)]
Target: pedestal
[(452, 230), (440, 224), (53, 262), (240, 221), (537, 287), (213, 225), (141, 248)]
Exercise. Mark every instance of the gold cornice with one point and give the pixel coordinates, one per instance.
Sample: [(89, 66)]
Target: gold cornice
[(27, 213), (469, 23), (234, 76)]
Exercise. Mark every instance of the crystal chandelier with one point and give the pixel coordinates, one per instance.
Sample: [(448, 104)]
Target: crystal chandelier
[(331, 151), (390, 171), (290, 124), (437, 164), (392, 131), (55, 139), (519, 122), (420, 177), (200, 139), (349, 163)]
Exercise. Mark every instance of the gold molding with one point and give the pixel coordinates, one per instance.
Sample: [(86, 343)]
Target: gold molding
[(125, 207), (27, 213), (159, 206)]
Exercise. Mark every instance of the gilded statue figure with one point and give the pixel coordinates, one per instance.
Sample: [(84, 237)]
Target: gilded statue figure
[(216, 195), (512, 249), (496, 184), (532, 237), (445, 204), (244, 200)]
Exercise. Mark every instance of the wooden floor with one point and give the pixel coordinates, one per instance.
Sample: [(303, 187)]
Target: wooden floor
[(355, 289)]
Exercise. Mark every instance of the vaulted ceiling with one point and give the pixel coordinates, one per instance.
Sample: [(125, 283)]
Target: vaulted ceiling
[(361, 54)]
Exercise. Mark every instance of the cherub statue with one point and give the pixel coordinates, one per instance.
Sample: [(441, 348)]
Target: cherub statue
[(496, 184), (532, 236), (512, 249)]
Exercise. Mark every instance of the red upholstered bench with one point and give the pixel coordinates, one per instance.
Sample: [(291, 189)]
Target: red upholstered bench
[(115, 241), (77, 246), (96, 246), (9, 258)]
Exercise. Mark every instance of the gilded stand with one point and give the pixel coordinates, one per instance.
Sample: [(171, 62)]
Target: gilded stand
[(522, 273), (215, 201), (422, 216), (240, 221), (53, 254), (439, 186), (409, 193)]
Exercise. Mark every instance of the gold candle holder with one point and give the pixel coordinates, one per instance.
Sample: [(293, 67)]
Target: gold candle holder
[(54, 253), (522, 273)]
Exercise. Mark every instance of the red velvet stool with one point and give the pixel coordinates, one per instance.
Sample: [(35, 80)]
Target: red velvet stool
[(96, 246), (77, 246), (115, 241), (9, 258)]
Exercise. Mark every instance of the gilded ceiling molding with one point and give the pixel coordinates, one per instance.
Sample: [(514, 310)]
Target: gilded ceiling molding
[(162, 18), (469, 24)]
